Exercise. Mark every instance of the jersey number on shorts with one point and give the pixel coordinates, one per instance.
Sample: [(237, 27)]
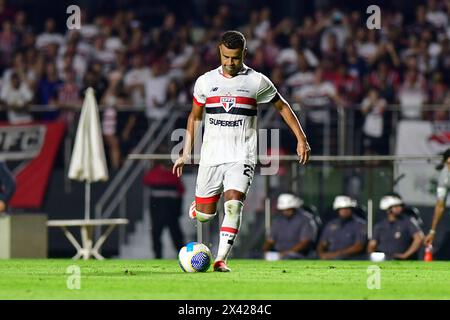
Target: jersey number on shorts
[(248, 170)]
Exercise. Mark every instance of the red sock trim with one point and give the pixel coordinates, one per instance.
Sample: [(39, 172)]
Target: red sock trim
[(228, 229), (208, 199)]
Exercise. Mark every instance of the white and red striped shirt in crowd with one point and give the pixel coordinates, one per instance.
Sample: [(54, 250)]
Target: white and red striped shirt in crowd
[(69, 94)]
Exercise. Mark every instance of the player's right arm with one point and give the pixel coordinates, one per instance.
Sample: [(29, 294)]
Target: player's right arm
[(438, 213), (193, 124)]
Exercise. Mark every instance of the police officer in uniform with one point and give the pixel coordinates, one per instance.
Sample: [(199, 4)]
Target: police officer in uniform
[(293, 231), (441, 196), (399, 235), (344, 237)]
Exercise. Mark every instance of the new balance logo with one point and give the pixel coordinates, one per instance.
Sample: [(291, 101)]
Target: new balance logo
[(214, 89)]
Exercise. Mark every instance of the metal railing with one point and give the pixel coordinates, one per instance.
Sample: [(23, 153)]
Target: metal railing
[(376, 171), (115, 194)]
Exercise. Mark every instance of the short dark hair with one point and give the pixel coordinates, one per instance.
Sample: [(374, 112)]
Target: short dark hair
[(233, 40)]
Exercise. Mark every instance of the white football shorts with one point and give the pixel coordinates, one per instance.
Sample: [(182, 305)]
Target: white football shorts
[(213, 180)]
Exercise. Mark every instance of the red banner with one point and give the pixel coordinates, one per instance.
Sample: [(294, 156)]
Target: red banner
[(32, 179)]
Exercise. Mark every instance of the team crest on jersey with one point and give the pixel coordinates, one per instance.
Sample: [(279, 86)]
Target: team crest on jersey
[(228, 102)]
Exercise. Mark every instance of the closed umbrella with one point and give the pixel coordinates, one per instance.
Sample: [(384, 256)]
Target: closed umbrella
[(88, 162)]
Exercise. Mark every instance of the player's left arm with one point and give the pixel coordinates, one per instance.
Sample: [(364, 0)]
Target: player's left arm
[(283, 107)]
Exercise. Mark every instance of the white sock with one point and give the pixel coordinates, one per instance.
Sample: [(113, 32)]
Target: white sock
[(204, 217), (230, 227)]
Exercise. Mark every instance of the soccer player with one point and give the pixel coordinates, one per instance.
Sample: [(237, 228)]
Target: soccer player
[(229, 95), (442, 192)]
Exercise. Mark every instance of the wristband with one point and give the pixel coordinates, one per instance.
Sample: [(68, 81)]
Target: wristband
[(432, 232)]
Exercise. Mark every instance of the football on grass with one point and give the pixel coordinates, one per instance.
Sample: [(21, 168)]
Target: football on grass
[(195, 257)]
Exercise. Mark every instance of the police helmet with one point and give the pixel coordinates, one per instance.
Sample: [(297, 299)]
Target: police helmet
[(341, 202), (288, 201), (389, 201)]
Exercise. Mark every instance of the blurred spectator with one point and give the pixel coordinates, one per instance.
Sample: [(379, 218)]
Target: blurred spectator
[(103, 55), (176, 97), (95, 78), (373, 108), (20, 25), (69, 99), (6, 11), (444, 59), (367, 44), (420, 22), (436, 14), (21, 69), (49, 36), (386, 80), (288, 57), (264, 23), (331, 52), (398, 236), (348, 86), (112, 100), (318, 98), (70, 58), (270, 49), (442, 113), (156, 91), (344, 237), (303, 76), (166, 191), (335, 33), (17, 95), (69, 91), (333, 39), (293, 232), (8, 41), (438, 88), (412, 95), (49, 86), (135, 80), (7, 186)]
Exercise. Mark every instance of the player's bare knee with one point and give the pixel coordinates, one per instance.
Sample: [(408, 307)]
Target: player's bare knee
[(208, 208), (206, 211)]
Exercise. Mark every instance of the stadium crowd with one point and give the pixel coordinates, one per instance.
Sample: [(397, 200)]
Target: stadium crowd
[(325, 59)]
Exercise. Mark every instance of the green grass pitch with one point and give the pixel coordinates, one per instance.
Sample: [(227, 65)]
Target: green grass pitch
[(250, 279)]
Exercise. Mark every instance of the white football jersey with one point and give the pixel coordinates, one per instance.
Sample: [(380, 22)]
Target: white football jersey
[(230, 114)]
